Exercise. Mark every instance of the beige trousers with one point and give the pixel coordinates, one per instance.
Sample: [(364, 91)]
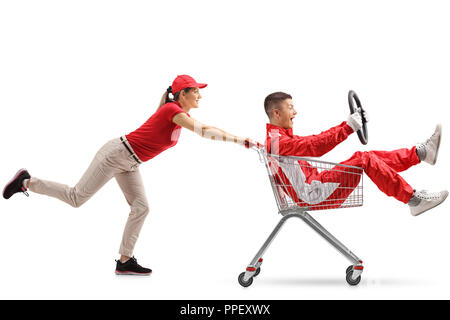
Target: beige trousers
[(112, 160)]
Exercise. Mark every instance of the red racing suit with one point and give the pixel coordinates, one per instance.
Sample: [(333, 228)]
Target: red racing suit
[(381, 167)]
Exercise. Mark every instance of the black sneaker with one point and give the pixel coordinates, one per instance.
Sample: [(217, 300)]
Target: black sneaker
[(16, 184), (131, 267)]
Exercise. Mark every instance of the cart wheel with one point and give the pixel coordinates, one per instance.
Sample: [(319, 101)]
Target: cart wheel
[(243, 283), (349, 279), (258, 270), (350, 268)]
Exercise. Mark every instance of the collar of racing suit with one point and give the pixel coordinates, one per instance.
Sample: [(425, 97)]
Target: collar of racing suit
[(280, 130), (273, 131)]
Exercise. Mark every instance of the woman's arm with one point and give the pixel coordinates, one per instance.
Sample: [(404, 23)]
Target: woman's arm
[(209, 132)]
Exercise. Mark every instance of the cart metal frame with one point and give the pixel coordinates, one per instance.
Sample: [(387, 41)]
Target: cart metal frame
[(290, 208)]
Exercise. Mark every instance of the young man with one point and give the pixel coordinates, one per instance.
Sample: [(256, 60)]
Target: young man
[(382, 167)]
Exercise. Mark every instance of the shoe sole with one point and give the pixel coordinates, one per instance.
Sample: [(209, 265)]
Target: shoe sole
[(10, 181), (439, 128), (417, 214), (129, 273)]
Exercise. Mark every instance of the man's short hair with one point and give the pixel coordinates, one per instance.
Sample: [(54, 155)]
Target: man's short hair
[(273, 101)]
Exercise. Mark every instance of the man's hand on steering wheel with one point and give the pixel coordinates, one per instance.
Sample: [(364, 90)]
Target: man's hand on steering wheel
[(355, 121)]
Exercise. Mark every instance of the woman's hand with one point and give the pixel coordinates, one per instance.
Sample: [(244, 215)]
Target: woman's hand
[(249, 144)]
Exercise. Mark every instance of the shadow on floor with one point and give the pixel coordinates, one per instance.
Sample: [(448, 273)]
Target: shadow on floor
[(340, 282)]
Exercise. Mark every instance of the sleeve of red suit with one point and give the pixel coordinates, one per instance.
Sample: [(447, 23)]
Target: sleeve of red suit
[(314, 145)]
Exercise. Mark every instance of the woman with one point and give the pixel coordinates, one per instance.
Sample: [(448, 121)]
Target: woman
[(121, 157)]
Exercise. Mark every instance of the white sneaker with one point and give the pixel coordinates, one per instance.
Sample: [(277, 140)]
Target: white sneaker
[(428, 200), (432, 146)]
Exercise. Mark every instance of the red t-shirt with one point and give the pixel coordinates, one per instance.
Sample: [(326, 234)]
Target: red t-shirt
[(157, 134)]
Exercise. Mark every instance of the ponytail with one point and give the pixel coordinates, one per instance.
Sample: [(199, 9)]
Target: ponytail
[(166, 98)]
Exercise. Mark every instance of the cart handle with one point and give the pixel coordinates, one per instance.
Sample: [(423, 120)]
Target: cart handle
[(255, 146), (258, 147), (250, 144)]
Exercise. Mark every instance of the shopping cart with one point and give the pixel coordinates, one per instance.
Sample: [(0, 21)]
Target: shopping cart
[(307, 184)]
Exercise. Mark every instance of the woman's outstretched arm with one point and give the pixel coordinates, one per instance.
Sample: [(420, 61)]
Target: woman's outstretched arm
[(210, 132)]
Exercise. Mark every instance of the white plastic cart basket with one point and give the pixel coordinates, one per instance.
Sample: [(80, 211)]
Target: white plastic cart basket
[(307, 184)]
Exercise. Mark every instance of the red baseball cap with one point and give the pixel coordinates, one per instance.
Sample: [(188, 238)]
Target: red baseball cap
[(184, 81)]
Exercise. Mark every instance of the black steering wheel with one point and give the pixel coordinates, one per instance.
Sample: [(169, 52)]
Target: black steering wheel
[(362, 133)]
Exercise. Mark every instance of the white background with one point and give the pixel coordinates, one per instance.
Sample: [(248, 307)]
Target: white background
[(75, 74)]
